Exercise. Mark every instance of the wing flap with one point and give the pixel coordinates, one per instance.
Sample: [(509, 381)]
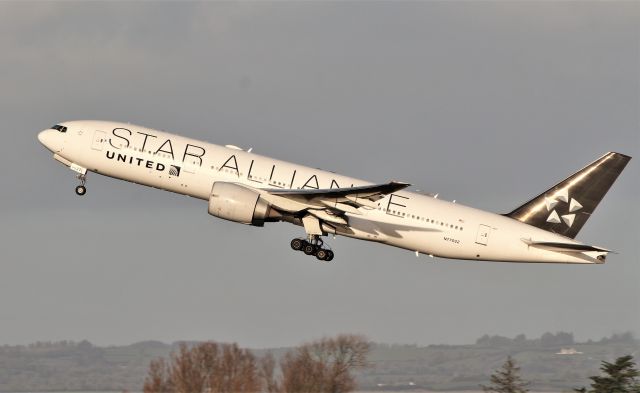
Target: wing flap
[(327, 216), (343, 207)]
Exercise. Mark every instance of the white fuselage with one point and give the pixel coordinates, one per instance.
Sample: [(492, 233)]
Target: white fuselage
[(408, 220)]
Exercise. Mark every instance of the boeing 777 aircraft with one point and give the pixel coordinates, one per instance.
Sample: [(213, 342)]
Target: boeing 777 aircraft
[(251, 189)]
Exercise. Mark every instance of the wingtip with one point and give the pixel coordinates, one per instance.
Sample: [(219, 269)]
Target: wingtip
[(399, 183)]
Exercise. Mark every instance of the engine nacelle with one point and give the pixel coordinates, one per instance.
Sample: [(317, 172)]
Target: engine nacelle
[(239, 204)]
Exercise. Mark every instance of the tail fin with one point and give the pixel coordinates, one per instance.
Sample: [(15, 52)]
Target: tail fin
[(565, 207)]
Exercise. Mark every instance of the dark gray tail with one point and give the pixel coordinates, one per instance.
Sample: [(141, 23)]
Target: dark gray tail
[(566, 207)]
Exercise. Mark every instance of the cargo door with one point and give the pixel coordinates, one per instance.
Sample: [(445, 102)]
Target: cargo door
[(483, 234)]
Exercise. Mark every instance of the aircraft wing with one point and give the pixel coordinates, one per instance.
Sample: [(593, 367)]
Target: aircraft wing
[(330, 205), (317, 206), (351, 195)]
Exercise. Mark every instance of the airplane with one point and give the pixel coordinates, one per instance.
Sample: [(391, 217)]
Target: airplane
[(248, 188)]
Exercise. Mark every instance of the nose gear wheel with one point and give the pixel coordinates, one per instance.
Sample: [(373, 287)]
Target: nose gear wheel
[(81, 189)]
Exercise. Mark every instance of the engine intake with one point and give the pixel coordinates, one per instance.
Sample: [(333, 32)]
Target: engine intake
[(236, 203)]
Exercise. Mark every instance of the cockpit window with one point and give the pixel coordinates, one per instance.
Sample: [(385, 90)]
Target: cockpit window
[(59, 128)]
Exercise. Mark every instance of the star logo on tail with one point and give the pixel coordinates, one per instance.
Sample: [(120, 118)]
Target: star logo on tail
[(562, 196)]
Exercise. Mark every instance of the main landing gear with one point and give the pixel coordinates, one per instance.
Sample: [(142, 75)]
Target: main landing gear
[(81, 189), (313, 246)]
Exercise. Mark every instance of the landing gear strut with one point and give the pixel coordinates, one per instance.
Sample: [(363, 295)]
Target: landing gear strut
[(81, 189), (312, 246)]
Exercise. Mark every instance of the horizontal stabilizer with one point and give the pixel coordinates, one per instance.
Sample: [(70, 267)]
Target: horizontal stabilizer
[(564, 247)]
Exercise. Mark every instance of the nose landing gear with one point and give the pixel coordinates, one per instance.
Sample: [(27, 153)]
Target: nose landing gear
[(312, 246), (81, 189), (81, 175)]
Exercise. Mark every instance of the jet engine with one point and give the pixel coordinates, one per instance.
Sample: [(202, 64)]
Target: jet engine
[(240, 204)]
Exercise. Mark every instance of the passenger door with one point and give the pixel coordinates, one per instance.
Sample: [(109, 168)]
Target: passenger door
[(99, 137), (483, 234)]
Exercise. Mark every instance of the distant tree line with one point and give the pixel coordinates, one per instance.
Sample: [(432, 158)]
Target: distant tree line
[(549, 340), (324, 365)]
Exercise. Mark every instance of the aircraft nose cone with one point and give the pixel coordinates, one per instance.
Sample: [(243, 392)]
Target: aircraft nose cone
[(51, 139), (42, 137)]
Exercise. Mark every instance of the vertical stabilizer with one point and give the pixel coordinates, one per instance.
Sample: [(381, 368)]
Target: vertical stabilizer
[(566, 207)]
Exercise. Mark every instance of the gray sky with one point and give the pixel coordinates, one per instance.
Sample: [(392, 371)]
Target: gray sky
[(486, 103)]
